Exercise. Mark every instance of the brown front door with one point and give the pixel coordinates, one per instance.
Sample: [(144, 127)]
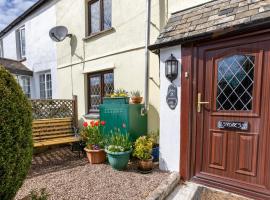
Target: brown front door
[(233, 117)]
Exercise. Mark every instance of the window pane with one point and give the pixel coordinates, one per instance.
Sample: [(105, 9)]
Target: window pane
[(42, 86), (95, 17), (22, 41), (26, 85), (107, 14), (108, 84), (1, 49), (235, 83), (95, 93)]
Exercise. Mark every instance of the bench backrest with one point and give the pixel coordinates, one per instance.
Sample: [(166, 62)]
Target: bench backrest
[(46, 129)]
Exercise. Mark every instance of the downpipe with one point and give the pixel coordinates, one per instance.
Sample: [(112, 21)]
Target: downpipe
[(147, 42)]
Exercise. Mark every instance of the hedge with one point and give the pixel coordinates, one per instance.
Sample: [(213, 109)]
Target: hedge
[(16, 145)]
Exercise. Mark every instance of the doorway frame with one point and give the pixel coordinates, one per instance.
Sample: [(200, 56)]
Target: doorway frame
[(188, 124)]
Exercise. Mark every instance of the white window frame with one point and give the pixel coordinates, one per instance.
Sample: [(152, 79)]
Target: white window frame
[(47, 90), (1, 49), (20, 80), (21, 41)]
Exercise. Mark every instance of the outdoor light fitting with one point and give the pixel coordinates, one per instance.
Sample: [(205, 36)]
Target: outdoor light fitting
[(171, 68)]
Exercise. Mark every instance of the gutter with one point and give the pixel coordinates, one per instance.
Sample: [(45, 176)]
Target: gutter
[(147, 42)]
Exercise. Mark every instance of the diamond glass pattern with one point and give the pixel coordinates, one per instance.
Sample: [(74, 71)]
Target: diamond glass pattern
[(108, 84), (235, 83), (95, 92)]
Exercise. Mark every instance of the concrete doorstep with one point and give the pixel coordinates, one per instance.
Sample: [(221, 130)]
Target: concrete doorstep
[(170, 189), (165, 188)]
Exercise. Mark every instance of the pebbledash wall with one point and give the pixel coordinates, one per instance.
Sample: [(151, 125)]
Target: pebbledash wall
[(170, 119), (40, 50)]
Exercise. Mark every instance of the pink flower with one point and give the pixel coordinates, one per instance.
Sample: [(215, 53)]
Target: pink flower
[(102, 123), (85, 124), (124, 125)]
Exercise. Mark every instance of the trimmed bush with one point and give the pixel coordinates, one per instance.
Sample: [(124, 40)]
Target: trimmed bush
[(16, 144)]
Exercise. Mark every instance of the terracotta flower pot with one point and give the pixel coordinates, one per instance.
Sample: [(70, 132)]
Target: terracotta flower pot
[(136, 100), (145, 165), (96, 156)]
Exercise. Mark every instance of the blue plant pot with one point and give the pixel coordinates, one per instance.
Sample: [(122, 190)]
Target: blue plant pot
[(118, 160), (155, 154)]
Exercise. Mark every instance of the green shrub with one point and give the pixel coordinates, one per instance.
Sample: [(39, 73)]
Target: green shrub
[(15, 136), (143, 148)]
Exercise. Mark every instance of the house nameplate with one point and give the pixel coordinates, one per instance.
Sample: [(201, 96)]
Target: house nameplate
[(233, 125), (172, 98)]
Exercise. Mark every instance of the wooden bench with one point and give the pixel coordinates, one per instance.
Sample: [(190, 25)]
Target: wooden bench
[(47, 132)]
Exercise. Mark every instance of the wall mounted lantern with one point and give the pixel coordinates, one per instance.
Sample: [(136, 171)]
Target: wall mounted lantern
[(171, 68)]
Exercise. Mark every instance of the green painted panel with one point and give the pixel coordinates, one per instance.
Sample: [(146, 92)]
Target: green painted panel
[(126, 117)]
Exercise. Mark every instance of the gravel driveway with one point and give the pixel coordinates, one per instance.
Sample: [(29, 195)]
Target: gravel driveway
[(65, 176)]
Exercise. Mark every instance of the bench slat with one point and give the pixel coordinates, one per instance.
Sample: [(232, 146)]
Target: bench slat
[(52, 136), (52, 128), (56, 141)]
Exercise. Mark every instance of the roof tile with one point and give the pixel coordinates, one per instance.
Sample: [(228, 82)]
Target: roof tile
[(212, 17)]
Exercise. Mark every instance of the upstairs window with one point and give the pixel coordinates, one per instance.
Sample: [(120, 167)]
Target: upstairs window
[(20, 41), (45, 86), (1, 49), (99, 15)]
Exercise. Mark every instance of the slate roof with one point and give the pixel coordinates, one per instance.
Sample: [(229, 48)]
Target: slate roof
[(15, 67), (213, 17), (25, 14)]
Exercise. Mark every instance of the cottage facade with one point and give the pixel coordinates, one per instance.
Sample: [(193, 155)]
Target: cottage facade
[(27, 40), (107, 51)]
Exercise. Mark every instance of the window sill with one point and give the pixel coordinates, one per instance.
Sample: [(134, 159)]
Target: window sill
[(99, 34), (91, 116)]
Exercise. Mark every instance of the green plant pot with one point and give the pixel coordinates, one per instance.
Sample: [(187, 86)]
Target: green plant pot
[(118, 160)]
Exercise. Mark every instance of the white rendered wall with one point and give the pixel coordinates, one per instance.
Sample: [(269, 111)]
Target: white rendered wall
[(41, 55), (169, 119)]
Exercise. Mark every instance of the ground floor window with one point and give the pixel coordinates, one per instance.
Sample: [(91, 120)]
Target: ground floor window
[(99, 85), (45, 86), (25, 83)]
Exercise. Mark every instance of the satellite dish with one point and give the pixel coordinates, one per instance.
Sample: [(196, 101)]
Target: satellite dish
[(59, 33)]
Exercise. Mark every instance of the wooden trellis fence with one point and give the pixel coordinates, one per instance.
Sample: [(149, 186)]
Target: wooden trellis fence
[(55, 108)]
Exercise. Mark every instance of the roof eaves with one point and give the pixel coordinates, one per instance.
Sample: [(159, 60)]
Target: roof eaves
[(263, 23), (29, 11)]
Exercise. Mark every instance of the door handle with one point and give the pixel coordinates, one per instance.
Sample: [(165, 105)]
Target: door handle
[(199, 102)]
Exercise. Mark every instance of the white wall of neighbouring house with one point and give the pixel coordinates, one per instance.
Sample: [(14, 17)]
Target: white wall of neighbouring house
[(169, 119), (40, 50)]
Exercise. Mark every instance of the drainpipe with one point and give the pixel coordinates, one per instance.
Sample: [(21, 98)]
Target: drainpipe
[(147, 42)]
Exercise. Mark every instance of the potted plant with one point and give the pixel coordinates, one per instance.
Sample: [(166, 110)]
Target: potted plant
[(120, 96), (143, 151), (118, 150), (155, 151), (92, 135), (136, 97)]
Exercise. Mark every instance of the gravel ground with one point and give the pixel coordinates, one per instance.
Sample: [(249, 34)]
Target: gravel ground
[(65, 176)]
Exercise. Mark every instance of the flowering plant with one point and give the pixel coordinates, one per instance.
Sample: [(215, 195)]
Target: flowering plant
[(143, 148), (92, 134), (118, 142), (119, 93)]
